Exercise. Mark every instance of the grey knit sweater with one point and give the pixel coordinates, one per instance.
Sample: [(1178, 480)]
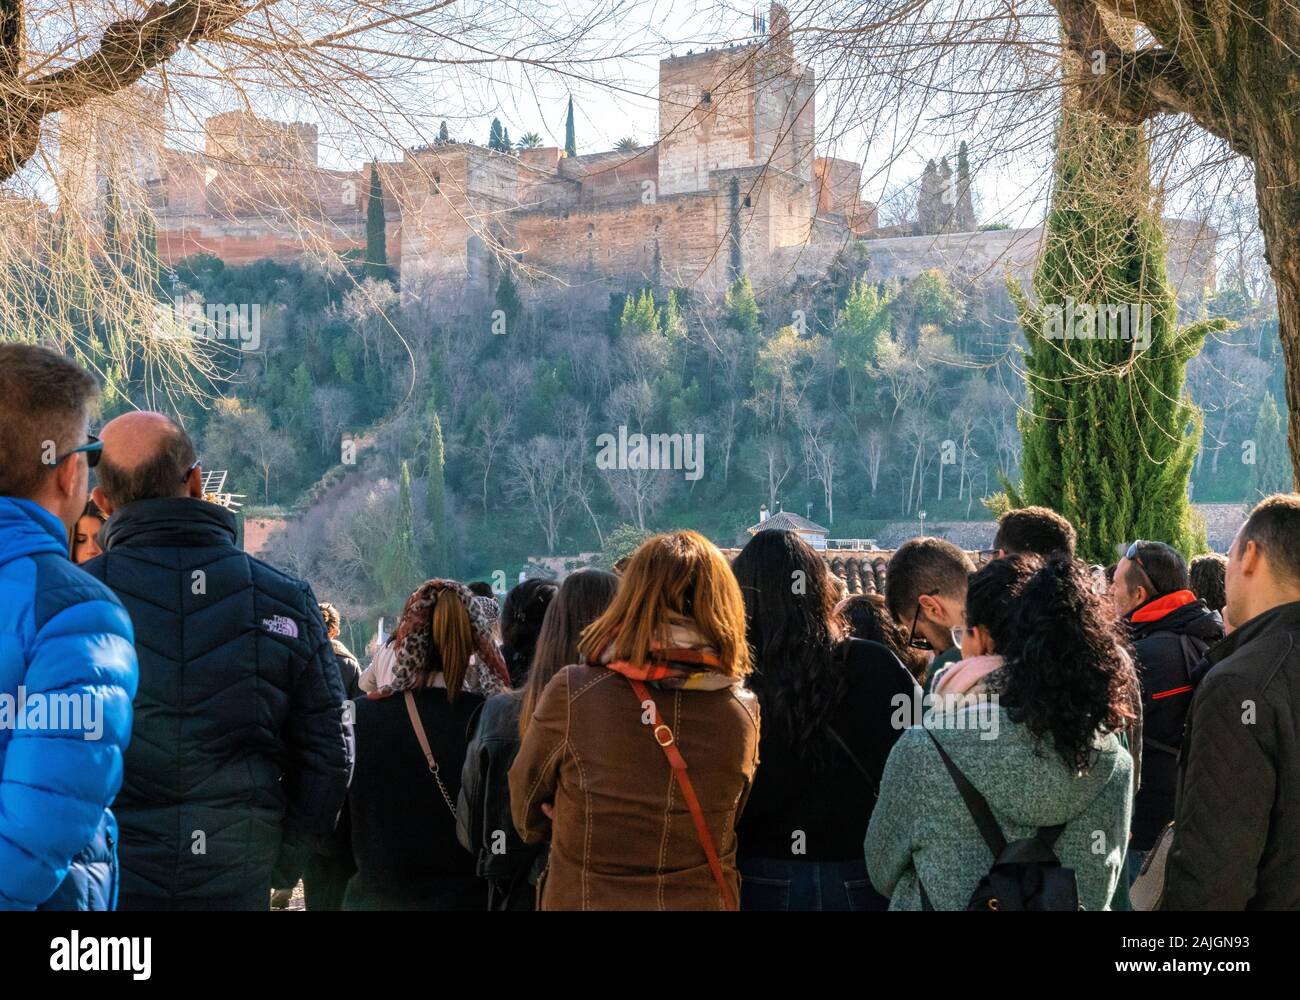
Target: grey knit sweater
[(920, 825)]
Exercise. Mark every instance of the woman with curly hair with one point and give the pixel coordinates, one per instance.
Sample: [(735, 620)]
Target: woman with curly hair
[(1031, 716)]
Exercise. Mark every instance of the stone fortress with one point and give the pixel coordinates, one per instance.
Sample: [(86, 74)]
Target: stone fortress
[(733, 185)]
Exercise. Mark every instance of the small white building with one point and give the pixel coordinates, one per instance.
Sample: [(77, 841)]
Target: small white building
[(783, 520)]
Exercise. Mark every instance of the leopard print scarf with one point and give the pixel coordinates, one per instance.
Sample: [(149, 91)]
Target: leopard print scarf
[(487, 674)]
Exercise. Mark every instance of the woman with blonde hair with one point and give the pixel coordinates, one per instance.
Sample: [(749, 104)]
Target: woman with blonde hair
[(410, 748), (602, 771)]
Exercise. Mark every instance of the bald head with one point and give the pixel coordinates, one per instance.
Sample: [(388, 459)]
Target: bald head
[(147, 456)]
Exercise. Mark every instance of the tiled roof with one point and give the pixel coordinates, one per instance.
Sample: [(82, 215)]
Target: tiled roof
[(864, 574), (784, 520)]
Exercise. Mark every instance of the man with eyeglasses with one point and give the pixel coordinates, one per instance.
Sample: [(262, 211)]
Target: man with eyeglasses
[(925, 588), (1237, 833), (1171, 629), (67, 660), (242, 753)]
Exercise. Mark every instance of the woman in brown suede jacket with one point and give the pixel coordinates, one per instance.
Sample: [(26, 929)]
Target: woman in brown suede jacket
[(663, 675)]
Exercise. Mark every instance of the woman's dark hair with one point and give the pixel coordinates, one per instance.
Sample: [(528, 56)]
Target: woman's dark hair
[(582, 598), (1066, 676), (868, 618), (992, 592), (793, 633), (521, 623), (1208, 574)]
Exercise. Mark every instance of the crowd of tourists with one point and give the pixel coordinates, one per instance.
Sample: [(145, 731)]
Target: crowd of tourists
[(181, 726)]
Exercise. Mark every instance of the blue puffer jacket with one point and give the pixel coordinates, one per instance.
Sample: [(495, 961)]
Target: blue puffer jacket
[(67, 657)]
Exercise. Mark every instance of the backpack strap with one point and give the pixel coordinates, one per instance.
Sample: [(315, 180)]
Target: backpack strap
[(668, 743), (1193, 651), (975, 804)]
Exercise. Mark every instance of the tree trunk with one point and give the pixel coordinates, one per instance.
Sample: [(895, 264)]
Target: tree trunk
[(1278, 194)]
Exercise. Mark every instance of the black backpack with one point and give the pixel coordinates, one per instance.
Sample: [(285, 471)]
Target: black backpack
[(1026, 874)]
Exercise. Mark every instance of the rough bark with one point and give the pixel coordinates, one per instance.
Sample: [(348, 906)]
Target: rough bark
[(1235, 70), (127, 50)]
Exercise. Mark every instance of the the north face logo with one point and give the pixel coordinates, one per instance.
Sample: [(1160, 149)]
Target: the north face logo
[(280, 625)]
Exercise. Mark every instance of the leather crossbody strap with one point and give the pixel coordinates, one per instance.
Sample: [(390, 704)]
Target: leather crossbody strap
[(668, 743), (423, 737)]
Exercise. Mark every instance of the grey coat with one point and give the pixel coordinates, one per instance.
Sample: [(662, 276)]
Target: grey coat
[(920, 825)]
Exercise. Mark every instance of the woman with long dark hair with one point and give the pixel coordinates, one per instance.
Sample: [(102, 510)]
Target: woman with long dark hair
[(521, 623), (636, 763), (830, 705), (1031, 718), (484, 825), (83, 543), (410, 749)]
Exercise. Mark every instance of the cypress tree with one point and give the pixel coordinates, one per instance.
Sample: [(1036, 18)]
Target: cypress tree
[(570, 139), (965, 204), (506, 145), (400, 569), (494, 135), (444, 136), (436, 499), (148, 255), (376, 265), (1271, 472), (113, 229), (1109, 432)]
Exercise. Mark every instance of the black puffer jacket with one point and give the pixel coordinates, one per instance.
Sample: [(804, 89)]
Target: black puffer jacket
[(239, 746), (1166, 649), (483, 820), (1237, 833)]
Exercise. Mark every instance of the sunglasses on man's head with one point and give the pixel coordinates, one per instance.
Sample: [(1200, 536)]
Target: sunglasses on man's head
[(1134, 555), (93, 449)]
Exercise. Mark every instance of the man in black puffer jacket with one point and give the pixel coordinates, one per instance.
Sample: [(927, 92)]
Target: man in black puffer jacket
[(1171, 630), (240, 755)]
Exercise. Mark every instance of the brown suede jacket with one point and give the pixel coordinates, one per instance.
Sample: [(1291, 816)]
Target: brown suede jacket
[(622, 837)]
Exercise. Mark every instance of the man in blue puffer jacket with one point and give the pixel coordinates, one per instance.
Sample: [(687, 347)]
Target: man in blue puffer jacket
[(67, 660)]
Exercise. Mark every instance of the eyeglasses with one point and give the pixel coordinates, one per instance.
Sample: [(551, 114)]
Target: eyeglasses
[(915, 641), (1134, 555), (93, 449), (186, 476), (987, 556)]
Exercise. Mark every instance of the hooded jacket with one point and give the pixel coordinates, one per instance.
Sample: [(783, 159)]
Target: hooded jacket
[(921, 827), (61, 633), (1164, 663), (240, 744)]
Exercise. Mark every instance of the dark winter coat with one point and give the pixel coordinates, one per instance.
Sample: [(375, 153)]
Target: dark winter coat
[(1237, 832), (484, 824), (830, 805), (403, 832), (239, 746), (1164, 662)]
